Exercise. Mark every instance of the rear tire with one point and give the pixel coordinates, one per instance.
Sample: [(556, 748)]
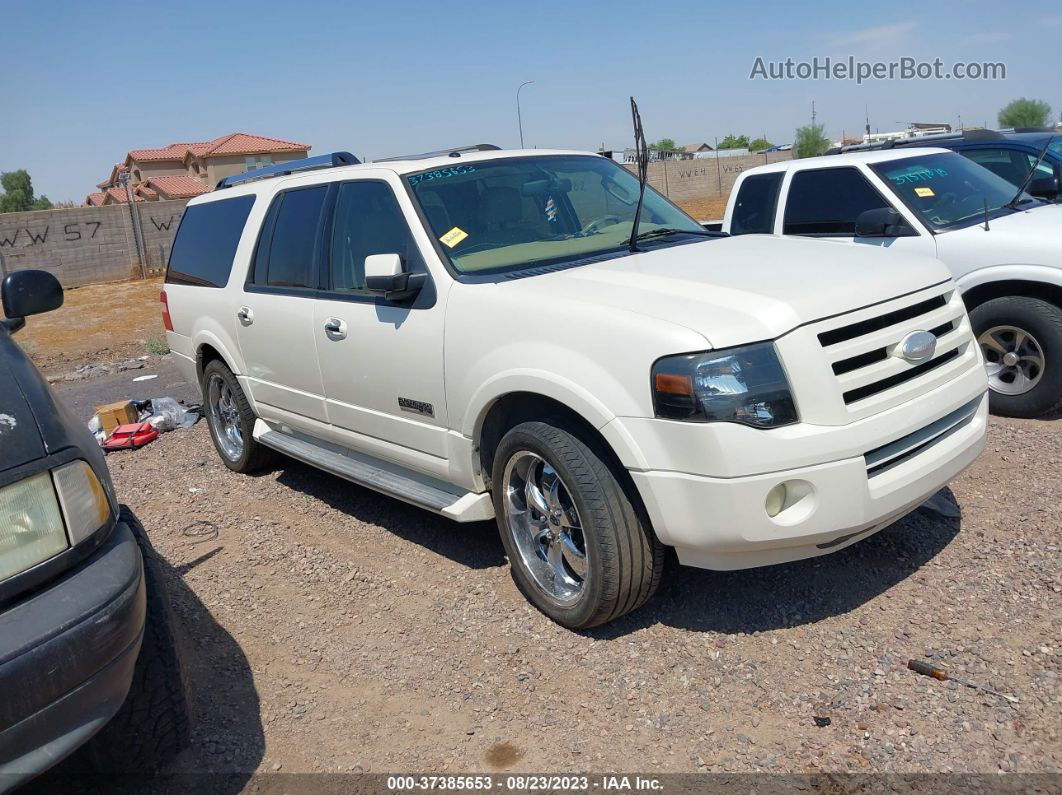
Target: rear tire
[(1026, 332), (231, 421), (151, 727), (585, 509)]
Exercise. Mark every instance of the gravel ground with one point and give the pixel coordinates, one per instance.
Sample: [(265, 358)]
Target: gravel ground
[(332, 629)]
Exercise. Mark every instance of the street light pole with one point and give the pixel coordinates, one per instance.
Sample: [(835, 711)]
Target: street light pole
[(519, 118)]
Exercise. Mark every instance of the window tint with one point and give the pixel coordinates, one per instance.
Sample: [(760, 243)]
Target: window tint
[(290, 254), (368, 221), (827, 201), (206, 242), (756, 202)]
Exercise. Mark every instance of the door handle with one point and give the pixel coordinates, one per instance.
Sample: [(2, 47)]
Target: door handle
[(245, 315), (335, 328)]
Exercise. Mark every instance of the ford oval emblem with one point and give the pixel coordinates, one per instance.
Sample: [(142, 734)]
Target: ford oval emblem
[(918, 346)]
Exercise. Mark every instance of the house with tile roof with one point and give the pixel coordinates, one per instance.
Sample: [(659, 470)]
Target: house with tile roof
[(183, 170)]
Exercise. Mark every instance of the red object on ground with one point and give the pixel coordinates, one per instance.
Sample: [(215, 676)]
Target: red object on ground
[(130, 437)]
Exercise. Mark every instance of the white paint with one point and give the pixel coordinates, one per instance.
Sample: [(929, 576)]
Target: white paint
[(145, 377), (7, 422)]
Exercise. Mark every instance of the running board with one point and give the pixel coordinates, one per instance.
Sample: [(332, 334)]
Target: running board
[(402, 484)]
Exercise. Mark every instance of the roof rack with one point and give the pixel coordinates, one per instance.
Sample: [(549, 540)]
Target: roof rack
[(920, 140), (453, 151), (290, 167)]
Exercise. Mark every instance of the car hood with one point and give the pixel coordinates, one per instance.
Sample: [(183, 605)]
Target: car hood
[(744, 289), (1029, 237), (20, 438)]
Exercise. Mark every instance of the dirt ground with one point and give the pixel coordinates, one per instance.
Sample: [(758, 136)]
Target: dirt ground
[(705, 209), (332, 629), (97, 323)]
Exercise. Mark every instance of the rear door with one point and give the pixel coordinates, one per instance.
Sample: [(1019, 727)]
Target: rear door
[(275, 313), (825, 202)]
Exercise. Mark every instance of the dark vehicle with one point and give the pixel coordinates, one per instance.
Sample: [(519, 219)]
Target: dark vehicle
[(1007, 153), (87, 650)]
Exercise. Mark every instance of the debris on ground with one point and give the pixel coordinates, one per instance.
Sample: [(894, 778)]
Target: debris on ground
[(926, 669), (158, 414)]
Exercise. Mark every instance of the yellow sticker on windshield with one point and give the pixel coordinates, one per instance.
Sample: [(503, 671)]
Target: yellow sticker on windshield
[(924, 193), (453, 237)]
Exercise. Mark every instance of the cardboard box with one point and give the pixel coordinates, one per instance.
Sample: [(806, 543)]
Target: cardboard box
[(114, 414)]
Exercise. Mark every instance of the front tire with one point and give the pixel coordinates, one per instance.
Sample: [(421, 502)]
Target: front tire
[(1021, 339), (579, 549), (231, 420)]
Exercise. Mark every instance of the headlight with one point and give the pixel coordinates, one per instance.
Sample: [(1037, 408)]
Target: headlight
[(47, 513), (83, 499), (31, 527), (745, 385)]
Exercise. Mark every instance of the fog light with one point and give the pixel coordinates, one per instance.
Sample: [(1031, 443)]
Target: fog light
[(775, 500)]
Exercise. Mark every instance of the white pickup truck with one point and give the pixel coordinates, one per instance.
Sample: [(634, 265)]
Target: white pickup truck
[(1005, 251), (474, 332)]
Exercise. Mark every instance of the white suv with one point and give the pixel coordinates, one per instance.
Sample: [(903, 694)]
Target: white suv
[(473, 332)]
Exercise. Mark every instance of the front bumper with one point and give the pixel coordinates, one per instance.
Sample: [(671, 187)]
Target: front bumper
[(721, 521), (66, 658)]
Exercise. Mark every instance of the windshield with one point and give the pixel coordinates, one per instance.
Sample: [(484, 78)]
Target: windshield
[(947, 189), (504, 215)]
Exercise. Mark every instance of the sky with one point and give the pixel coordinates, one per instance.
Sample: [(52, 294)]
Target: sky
[(85, 82)]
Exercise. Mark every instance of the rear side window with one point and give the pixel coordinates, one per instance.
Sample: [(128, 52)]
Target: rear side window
[(756, 202), (206, 242), (827, 201), (287, 252)]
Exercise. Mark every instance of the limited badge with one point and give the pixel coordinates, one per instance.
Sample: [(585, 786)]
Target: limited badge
[(453, 237), (924, 193)]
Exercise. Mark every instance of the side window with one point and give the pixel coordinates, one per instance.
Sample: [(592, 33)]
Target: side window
[(827, 201), (206, 242), (755, 206), (368, 221), (288, 258), (1007, 163)]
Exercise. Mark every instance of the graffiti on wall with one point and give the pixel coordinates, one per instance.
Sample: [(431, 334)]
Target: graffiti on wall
[(24, 236)]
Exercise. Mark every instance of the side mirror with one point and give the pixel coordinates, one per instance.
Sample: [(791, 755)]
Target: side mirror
[(386, 274), (882, 222), (1044, 188), (30, 293)]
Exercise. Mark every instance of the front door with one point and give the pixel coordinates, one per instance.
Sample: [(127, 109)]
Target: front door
[(381, 363), (276, 313)]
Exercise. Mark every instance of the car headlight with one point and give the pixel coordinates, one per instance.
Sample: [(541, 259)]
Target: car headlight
[(745, 385), (46, 513)]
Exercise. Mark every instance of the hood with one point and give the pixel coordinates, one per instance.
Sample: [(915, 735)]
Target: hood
[(20, 438), (1029, 237), (744, 289)]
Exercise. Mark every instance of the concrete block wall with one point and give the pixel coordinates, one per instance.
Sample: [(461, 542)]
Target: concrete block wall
[(84, 245), (703, 178)]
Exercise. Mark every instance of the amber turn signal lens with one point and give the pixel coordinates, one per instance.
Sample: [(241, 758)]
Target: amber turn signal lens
[(674, 384)]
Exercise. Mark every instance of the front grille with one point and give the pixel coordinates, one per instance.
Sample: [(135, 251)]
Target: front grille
[(861, 348), (890, 455)]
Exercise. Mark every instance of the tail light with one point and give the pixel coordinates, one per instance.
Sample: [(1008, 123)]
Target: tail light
[(166, 322)]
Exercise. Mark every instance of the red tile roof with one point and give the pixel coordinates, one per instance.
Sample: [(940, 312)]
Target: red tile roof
[(94, 199), (178, 186), (237, 143), (117, 196)]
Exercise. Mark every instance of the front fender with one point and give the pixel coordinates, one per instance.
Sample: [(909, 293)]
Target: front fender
[(1009, 272)]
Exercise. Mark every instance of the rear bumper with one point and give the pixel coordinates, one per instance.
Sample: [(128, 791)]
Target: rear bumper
[(723, 523), (66, 658)]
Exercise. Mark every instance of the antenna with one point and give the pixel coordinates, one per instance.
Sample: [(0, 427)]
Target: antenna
[(866, 110), (812, 113)]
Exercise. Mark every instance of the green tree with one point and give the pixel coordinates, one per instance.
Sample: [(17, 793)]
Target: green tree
[(1024, 112), (734, 142), (759, 144), (666, 145), (810, 141), (18, 193)]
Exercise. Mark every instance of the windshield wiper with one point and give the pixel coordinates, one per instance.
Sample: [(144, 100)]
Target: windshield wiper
[(667, 231), (1014, 203), (642, 151)]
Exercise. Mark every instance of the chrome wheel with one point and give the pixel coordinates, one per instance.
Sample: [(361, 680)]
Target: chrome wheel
[(224, 417), (545, 527), (1014, 359)]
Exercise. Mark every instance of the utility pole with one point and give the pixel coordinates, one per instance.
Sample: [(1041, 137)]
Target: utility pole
[(519, 118), (812, 113), (134, 221)]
